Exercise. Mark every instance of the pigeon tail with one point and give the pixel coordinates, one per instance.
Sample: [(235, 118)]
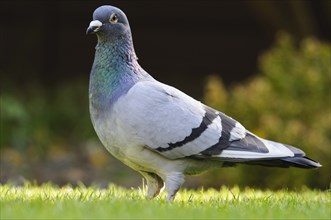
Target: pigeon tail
[(301, 162), (253, 150), (298, 162)]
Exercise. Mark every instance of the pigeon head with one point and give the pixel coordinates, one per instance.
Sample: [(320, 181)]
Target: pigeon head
[(109, 23)]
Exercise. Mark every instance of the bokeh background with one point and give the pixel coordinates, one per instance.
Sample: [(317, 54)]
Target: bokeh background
[(265, 63)]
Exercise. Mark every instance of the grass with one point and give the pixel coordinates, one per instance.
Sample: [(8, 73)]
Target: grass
[(52, 202)]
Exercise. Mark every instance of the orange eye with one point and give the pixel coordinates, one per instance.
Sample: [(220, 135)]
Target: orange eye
[(113, 19)]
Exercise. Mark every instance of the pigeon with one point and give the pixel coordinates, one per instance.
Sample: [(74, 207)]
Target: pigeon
[(156, 129)]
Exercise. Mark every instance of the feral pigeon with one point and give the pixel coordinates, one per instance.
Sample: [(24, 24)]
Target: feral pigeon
[(158, 130)]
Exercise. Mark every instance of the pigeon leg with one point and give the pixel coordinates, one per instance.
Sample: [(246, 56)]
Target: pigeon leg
[(154, 184), (172, 184)]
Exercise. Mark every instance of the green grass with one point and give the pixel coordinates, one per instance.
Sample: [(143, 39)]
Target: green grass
[(52, 202)]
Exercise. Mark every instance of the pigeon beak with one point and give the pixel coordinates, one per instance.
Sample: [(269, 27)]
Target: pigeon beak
[(94, 27)]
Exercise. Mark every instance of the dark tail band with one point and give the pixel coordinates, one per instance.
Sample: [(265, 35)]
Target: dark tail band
[(300, 162)]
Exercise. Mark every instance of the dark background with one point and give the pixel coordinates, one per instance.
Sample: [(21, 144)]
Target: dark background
[(178, 42)]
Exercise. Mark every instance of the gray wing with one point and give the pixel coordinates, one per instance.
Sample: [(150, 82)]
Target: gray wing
[(175, 125)]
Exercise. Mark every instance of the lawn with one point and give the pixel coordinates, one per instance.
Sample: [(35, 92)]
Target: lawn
[(52, 202)]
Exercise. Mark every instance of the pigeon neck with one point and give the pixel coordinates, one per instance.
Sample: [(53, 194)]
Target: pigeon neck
[(117, 50), (115, 70)]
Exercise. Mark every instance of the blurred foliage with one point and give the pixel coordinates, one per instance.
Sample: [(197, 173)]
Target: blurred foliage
[(289, 102), (46, 133), (44, 116)]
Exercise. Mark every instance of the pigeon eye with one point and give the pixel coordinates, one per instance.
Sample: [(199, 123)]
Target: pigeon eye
[(113, 19)]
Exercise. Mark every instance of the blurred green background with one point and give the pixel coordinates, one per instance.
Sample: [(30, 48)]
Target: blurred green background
[(265, 63)]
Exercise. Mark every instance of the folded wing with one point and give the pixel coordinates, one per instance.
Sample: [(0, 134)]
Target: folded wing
[(176, 126)]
